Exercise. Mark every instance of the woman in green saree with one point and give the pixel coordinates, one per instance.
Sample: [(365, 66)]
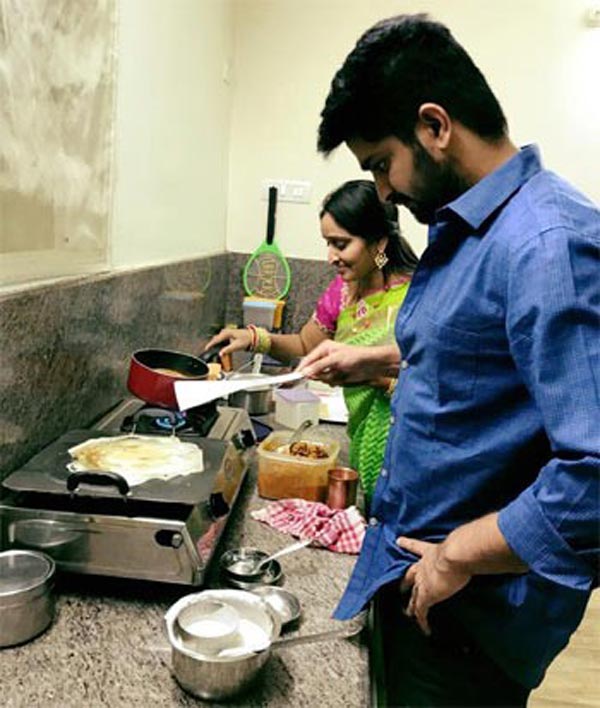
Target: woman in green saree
[(371, 289), (374, 264)]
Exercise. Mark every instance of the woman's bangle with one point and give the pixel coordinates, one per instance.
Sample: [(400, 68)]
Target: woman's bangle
[(253, 337), (261, 339), (263, 346)]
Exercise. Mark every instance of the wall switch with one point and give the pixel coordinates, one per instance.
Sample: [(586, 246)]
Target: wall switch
[(288, 190)]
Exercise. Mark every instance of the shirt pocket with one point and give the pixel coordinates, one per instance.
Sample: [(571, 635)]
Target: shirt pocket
[(454, 360), (455, 365)]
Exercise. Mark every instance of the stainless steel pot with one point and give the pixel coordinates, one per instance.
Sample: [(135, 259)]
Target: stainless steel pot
[(257, 401), (227, 674), (26, 597), (218, 677)]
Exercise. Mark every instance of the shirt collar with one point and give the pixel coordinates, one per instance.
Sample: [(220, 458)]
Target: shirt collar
[(484, 197)]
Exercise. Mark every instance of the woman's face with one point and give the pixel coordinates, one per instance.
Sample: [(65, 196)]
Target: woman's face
[(349, 254)]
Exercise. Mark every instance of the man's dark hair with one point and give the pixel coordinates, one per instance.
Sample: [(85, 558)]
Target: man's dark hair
[(356, 207), (395, 67)]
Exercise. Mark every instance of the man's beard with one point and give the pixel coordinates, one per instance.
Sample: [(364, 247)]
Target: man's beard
[(434, 185)]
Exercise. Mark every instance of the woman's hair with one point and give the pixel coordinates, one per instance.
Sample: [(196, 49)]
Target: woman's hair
[(356, 207), (395, 67)]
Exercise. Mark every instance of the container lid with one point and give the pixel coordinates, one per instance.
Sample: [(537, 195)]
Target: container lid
[(297, 395), (254, 298), (284, 603), (259, 304), (21, 571)]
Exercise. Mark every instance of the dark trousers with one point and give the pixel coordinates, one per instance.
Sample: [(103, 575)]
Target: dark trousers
[(445, 669)]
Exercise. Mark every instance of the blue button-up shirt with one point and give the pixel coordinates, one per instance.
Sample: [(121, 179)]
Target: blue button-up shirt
[(497, 408)]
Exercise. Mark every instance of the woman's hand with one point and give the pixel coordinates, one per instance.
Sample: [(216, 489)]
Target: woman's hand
[(342, 364), (239, 340)]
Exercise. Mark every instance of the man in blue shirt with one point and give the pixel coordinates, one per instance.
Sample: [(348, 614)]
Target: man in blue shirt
[(482, 546)]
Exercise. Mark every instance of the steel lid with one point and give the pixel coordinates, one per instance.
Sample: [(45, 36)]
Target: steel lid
[(23, 573), (285, 604)]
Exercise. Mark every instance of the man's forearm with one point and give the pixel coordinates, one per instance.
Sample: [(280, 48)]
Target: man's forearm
[(343, 364), (479, 548)]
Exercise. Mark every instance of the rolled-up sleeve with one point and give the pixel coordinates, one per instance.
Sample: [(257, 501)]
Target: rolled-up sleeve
[(554, 331)]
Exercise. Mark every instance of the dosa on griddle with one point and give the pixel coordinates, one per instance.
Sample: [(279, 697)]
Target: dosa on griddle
[(138, 458)]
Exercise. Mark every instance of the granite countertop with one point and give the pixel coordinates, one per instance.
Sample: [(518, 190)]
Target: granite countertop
[(108, 646)]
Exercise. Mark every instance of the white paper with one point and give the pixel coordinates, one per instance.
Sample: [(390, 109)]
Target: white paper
[(194, 393)]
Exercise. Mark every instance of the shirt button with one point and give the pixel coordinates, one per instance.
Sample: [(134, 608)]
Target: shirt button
[(384, 472), (392, 419), (404, 364), (373, 521)]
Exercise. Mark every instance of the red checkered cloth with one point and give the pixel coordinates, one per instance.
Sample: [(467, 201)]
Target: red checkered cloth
[(340, 530)]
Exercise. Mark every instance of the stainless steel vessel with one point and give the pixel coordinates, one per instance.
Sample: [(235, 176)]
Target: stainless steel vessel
[(161, 531), (256, 401), (26, 595), (220, 677), (232, 669)]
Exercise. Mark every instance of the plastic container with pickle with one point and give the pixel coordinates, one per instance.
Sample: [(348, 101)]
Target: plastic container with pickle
[(285, 475)]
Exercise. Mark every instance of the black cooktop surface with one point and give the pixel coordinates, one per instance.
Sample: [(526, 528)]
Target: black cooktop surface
[(47, 473)]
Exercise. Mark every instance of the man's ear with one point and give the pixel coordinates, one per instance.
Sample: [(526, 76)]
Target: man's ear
[(434, 126)]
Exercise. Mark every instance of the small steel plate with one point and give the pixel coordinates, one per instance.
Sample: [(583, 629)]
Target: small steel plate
[(283, 602)]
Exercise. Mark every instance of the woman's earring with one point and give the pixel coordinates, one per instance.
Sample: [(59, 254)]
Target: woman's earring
[(380, 259)]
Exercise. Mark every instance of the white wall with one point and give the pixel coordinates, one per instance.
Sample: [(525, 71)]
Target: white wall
[(172, 130), (191, 149), (540, 59)]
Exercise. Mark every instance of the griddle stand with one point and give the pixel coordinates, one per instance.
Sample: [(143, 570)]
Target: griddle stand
[(175, 547)]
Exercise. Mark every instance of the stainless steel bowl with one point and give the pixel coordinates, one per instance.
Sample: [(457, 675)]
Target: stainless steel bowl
[(236, 568), (256, 401), (26, 599), (207, 626)]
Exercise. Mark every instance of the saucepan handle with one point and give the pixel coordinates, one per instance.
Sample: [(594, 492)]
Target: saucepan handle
[(212, 354), (350, 629), (100, 478)]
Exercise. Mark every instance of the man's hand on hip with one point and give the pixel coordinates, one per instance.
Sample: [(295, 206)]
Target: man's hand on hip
[(476, 548), (430, 580)]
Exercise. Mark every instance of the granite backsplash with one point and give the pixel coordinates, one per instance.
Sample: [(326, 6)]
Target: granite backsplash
[(66, 347)]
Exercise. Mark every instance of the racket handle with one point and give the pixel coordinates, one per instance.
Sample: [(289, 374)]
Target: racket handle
[(271, 215)]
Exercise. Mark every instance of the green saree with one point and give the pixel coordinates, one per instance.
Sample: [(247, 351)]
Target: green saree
[(369, 322)]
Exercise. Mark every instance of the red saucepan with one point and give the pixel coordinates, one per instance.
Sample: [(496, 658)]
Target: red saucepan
[(152, 373)]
